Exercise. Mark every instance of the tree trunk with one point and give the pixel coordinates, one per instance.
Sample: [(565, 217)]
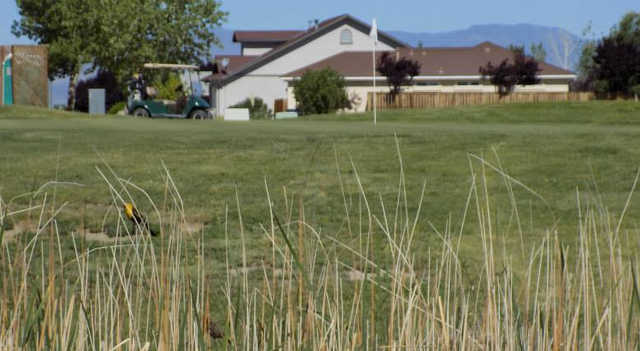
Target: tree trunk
[(73, 83)]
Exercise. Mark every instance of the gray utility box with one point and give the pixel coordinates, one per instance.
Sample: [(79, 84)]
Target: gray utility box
[(97, 101)]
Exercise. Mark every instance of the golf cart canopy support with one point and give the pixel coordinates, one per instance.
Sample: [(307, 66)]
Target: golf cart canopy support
[(169, 66)]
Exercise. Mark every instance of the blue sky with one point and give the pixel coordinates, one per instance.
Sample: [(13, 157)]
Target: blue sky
[(406, 15), (433, 16)]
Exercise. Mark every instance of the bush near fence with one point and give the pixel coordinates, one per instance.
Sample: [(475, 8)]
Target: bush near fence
[(433, 100)]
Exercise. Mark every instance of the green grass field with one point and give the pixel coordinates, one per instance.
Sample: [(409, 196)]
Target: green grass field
[(539, 169), (554, 149)]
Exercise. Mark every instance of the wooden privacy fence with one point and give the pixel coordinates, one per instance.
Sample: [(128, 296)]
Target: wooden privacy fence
[(433, 100), (279, 105)]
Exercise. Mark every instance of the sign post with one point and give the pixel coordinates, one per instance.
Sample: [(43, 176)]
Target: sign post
[(7, 81)]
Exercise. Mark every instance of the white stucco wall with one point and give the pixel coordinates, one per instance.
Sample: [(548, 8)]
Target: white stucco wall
[(268, 88), (255, 51), (319, 49)]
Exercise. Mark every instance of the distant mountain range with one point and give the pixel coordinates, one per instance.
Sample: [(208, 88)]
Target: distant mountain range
[(563, 48)]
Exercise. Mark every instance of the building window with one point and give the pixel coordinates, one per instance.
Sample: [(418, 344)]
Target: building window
[(427, 84), (346, 37)]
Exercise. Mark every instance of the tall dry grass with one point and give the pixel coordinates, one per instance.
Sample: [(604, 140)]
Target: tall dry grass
[(315, 290)]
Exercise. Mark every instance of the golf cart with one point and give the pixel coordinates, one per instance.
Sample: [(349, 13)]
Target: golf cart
[(142, 101)]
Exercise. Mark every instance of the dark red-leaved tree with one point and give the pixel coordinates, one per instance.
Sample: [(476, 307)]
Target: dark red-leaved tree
[(617, 66), (523, 71), (399, 72)]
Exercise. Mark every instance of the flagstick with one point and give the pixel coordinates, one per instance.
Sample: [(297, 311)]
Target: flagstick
[(374, 85)]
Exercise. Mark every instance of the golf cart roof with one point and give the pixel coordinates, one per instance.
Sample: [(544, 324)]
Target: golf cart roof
[(169, 66)]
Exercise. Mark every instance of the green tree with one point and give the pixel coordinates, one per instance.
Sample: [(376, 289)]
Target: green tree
[(320, 91), (118, 35), (585, 67), (538, 52), (612, 64), (628, 30), (66, 26), (516, 49), (168, 31)]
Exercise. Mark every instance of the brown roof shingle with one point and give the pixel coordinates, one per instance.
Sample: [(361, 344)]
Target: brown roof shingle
[(452, 61), (265, 36), (235, 63)]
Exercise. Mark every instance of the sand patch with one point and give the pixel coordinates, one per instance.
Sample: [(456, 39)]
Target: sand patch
[(19, 228), (192, 228), (358, 275), (100, 237), (246, 270)]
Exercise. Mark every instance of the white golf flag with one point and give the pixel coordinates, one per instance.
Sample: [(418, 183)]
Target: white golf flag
[(374, 31)]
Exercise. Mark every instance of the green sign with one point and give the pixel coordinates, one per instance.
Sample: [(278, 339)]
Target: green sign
[(7, 82)]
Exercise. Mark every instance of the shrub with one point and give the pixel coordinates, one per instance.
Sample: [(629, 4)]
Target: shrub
[(117, 107), (103, 80), (635, 90), (321, 91), (523, 71), (257, 108), (166, 86)]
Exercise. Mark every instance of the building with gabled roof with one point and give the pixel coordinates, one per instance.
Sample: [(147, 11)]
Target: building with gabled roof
[(271, 61), (260, 75)]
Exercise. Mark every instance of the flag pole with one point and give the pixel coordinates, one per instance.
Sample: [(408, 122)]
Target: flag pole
[(374, 85), (374, 35)]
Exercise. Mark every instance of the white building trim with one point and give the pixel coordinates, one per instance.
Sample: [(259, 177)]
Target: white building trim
[(441, 78)]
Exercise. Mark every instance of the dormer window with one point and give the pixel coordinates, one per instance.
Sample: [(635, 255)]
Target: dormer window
[(346, 37)]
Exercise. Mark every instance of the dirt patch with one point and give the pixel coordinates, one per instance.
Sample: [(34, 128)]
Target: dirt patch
[(23, 227), (249, 269), (358, 275), (99, 237), (192, 228), (19, 228)]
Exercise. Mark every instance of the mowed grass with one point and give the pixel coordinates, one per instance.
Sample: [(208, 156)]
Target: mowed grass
[(555, 154)]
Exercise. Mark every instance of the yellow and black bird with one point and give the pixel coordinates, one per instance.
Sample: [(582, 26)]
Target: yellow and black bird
[(138, 220)]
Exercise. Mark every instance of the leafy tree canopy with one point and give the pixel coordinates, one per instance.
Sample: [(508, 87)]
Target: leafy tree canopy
[(616, 65), (538, 52), (611, 65), (118, 35), (506, 75), (399, 72)]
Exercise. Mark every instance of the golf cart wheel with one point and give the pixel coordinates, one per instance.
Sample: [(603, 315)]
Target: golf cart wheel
[(199, 114), (140, 112)]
